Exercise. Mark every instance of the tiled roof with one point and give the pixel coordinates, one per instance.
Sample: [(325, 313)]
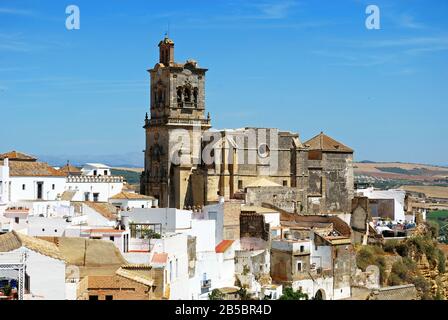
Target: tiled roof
[(68, 195), (104, 230), (131, 196), (322, 142), (138, 273), (32, 169), (15, 155), (107, 210), (159, 258), (223, 246), (13, 240), (69, 169)]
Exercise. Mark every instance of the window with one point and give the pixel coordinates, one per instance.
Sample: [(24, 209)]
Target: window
[(299, 266), (285, 183), (55, 230), (105, 172), (240, 184), (109, 298), (143, 206), (86, 196), (16, 219), (302, 248), (95, 197), (111, 238), (23, 187), (53, 186), (95, 172), (93, 298), (43, 229)]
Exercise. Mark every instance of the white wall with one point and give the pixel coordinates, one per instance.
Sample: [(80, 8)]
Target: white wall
[(106, 187), (175, 246), (216, 212), (47, 227), (397, 195), (172, 219), (130, 203), (47, 275), (30, 192)]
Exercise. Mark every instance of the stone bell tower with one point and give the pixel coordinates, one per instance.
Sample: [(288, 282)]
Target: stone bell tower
[(177, 106)]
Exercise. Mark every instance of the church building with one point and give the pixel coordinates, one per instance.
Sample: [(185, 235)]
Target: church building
[(275, 168)]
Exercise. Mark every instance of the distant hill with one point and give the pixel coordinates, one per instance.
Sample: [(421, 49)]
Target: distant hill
[(397, 173), (128, 160)]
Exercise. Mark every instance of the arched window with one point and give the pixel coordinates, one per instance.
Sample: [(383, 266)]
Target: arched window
[(195, 95), (160, 95), (179, 95), (187, 95)]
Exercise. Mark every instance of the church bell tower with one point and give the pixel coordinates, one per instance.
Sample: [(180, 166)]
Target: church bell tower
[(177, 101)]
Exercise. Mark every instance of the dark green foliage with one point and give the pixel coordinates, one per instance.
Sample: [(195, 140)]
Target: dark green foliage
[(424, 286), (243, 294), (7, 290), (372, 255), (441, 265), (390, 246), (216, 295), (290, 294), (402, 249)]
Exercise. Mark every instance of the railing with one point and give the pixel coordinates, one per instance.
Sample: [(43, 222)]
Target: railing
[(94, 179)]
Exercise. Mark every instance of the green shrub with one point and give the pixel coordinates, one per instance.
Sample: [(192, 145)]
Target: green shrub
[(372, 255), (216, 294), (424, 286), (401, 270), (290, 294), (394, 280), (441, 261), (390, 245), (402, 249)]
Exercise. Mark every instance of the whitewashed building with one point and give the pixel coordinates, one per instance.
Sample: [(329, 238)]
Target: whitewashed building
[(44, 267), (128, 200)]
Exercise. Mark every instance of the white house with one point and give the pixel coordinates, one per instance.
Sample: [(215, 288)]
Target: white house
[(397, 196), (44, 277), (95, 169), (127, 200), (24, 178), (92, 188)]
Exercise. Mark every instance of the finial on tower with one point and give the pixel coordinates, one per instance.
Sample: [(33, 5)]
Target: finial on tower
[(166, 50)]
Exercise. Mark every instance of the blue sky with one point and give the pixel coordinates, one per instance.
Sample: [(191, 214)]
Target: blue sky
[(304, 66)]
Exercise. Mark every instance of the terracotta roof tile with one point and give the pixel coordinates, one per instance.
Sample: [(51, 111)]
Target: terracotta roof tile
[(159, 258), (322, 142), (13, 240), (223, 246), (15, 155), (32, 169), (131, 196)]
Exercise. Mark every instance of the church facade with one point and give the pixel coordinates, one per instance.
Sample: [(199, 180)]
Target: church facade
[(188, 164)]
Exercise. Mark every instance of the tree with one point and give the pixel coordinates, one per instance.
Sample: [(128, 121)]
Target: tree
[(216, 294), (150, 234), (290, 294)]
